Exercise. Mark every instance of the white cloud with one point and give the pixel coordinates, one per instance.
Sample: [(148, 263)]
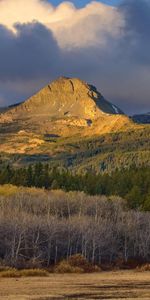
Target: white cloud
[(71, 27), (24, 11), (88, 26)]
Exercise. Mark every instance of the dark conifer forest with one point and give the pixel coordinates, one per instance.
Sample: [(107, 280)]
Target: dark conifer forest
[(132, 184)]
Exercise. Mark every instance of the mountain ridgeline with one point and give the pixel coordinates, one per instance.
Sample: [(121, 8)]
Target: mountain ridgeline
[(66, 107), (142, 118), (70, 124)]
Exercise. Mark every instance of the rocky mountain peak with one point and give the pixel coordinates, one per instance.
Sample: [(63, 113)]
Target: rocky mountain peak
[(67, 106), (68, 97)]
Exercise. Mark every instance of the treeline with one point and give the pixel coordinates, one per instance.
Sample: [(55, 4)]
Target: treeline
[(39, 228), (132, 184)]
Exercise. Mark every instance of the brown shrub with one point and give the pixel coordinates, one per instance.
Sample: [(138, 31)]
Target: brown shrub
[(10, 272), (76, 264), (80, 261), (5, 268), (33, 272), (65, 267), (143, 268)]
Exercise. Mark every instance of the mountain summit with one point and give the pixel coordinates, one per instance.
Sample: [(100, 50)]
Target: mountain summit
[(66, 100), (67, 97), (65, 108)]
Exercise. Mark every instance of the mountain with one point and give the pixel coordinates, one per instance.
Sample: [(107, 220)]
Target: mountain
[(66, 97), (7, 108), (142, 118), (69, 123), (66, 107)]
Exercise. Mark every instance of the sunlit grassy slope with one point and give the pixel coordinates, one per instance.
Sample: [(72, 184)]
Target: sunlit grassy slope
[(101, 153)]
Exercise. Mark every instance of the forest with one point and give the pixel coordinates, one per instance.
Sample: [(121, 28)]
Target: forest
[(132, 184), (39, 228)]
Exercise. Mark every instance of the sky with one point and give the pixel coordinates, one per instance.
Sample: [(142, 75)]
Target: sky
[(105, 43), (82, 3)]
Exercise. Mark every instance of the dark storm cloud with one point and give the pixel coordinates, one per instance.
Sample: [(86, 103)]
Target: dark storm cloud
[(31, 53), (121, 69), (137, 29)]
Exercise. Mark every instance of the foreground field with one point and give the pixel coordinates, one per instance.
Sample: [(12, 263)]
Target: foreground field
[(110, 285)]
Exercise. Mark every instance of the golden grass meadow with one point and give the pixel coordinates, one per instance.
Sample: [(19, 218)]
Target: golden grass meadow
[(105, 285)]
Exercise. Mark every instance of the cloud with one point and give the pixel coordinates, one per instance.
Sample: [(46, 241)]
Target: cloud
[(89, 26), (28, 60), (67, 23), (137, 39), (28, 54), (107, 46), (24, 11)]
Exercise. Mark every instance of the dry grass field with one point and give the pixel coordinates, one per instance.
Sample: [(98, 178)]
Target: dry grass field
[(105, 285)]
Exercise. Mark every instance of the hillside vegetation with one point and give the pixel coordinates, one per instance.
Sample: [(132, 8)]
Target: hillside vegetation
[(104, 153)]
